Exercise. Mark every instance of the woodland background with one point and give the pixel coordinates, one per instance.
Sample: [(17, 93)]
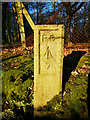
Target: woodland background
[(18, 60)]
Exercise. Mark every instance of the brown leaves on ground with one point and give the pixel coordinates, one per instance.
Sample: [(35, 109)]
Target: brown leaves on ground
[(68, 48)]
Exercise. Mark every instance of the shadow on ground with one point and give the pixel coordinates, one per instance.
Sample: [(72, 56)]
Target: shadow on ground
[(69, 64), (11, 57), (52, 116)]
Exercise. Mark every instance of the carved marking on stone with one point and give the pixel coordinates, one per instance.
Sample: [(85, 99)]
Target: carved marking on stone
[(49, 56), (48, 53), (44, 38), (48, 60), (53, 38), (50, 38)]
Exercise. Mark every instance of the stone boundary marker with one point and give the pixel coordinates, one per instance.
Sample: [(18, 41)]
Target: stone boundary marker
[(48, 62)]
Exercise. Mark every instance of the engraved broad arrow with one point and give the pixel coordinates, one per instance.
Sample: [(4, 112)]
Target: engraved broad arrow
[(48, 53)]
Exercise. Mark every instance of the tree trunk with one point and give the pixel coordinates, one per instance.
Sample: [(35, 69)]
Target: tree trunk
[(9, 36), (21, 24), (14, 28), (17, 27)]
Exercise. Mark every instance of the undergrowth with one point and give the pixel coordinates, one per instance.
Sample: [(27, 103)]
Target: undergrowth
[(17, 82)]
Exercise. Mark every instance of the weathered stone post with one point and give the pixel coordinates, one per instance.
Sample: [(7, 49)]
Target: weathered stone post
[(48, 62)]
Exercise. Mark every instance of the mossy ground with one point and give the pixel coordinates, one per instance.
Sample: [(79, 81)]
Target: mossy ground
[(17, 78), (17, 82)]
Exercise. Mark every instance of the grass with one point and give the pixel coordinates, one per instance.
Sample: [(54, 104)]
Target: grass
[(17, 79)]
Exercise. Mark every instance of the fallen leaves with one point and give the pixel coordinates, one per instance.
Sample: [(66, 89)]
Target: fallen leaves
[(74, 73)]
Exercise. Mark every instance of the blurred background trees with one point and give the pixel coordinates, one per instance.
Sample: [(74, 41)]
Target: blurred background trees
[(74, 16)]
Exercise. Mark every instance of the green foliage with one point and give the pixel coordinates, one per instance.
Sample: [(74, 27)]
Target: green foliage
[(8, 115), (17, 77), (54, 104), (75, 96), (84, 59)]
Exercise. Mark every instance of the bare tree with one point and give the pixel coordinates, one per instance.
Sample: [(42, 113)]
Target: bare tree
[(19, 10), (71, 9)]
